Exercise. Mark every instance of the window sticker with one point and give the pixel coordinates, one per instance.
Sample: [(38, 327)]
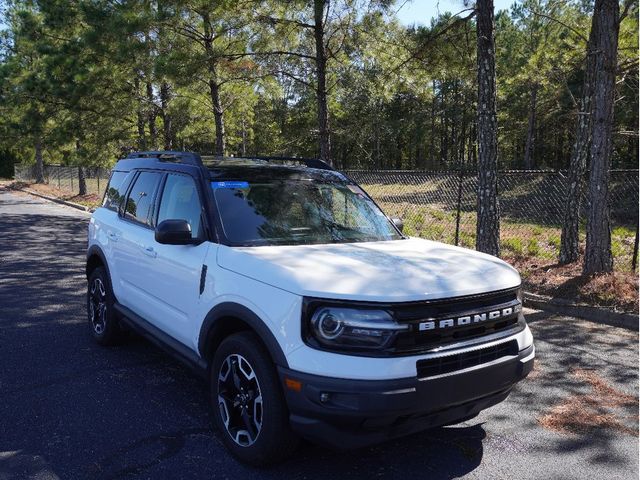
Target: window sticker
[(232, 184)]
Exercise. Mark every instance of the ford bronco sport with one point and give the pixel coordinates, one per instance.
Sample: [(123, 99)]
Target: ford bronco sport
[(304, 306)]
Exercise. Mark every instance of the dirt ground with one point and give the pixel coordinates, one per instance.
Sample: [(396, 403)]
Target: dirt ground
[(90, 200), (617, 290)]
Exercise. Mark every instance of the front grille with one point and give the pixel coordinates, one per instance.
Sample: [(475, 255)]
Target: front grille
[(459, 361), (416, 341)]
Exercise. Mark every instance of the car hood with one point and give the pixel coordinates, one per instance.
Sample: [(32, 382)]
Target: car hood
[(391, 271)]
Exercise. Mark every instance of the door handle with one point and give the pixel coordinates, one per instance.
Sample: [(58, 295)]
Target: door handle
[(149, 251), (113, 236)]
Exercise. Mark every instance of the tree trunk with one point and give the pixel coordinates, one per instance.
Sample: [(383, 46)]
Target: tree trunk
[(165, 97), (570, 238), (142, 140), (598, 256), (444, 154), (39, 172), (432, 131), (376, 132), (218, 116), (151, 116), (463, 132), (488, 222), (529, 148), (321, 86), (82, 181), (214, 86), (243, 151)]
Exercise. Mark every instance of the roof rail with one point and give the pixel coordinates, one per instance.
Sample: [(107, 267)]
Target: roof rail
[(191, 158), (309, 162), (188, 158)]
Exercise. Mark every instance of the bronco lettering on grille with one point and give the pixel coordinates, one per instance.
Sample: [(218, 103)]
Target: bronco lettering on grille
[(434, 324)]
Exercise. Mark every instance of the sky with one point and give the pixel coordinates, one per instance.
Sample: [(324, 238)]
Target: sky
[(421, 11)]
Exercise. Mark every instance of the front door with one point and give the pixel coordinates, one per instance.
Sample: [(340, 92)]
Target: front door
[(177, 269), (134, 256)]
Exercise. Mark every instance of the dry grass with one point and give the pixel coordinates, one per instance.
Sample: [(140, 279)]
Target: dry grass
[(603, 407), (618, 289), (89, 200)]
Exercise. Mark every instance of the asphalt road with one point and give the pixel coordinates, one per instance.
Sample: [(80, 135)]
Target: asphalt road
[(71, 409)]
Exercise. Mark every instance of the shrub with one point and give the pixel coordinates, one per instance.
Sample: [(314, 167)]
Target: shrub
[(514, 245)]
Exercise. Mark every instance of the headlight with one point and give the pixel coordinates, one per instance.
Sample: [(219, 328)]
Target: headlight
[(519, 296), (350, 328)]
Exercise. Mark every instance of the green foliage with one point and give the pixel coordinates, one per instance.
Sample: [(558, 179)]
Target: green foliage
[(7, 159), (513, 245), (94, 80), (533, 247)]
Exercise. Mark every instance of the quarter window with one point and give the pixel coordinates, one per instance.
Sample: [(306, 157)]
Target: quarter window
[(139, 206), (180, 201)]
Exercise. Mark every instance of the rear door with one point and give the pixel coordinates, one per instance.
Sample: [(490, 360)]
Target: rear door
[(134, 255), (177, 270)]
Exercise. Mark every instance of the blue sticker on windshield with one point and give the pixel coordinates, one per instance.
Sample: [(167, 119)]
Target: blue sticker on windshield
[(229, 184)]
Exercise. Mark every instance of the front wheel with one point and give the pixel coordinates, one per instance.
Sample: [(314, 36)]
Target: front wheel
[(104, 323), (248, 405)]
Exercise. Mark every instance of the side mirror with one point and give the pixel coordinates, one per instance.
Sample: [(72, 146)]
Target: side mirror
[(174, 232), (398, 223)]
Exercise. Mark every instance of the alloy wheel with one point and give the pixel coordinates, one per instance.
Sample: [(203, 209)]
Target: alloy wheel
[(240, 400), (98, 306)]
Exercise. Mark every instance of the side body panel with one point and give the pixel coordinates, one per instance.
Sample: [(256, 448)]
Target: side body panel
[(105, 233), (173, 292)]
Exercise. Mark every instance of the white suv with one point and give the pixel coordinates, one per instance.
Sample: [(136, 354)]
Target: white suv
[(304, 306)]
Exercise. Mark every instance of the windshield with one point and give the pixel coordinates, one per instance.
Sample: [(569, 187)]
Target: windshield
[(300, 211)]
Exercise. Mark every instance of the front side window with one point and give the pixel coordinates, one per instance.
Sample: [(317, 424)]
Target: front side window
[(300, 211), (115, 191), (139, 205), (180, 201)]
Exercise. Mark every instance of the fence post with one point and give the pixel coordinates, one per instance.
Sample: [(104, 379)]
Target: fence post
[(71, 176), (458, 206), (634, 260), (98, 176), (59, 184)]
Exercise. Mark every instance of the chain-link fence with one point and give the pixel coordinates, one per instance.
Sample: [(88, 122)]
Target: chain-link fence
[(67, 178), (442, 206)]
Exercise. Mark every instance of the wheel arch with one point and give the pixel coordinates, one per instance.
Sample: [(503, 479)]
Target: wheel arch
[(96, 258), (228, 318)]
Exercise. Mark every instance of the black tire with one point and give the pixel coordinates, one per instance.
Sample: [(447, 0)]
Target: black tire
[(267, 436), (102, 317)]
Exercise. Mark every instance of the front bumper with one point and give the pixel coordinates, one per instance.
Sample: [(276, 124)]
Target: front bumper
[(346, 414)]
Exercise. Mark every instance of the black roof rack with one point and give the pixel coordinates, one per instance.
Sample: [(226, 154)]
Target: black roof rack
[(309, 162), (190, 158)]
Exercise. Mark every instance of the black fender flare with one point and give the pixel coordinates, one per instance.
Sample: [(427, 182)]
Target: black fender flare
[(95, 250), (244, 314)]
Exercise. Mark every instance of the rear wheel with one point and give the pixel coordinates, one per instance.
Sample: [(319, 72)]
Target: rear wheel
[(102, 317), (248, 405)]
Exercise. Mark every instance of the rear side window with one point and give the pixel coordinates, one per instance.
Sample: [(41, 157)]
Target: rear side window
[(180, 201), (139, 206), (115, 191)]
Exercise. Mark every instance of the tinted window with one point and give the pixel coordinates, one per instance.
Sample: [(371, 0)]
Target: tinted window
[(180, 201), (115, 191), (299, 212), (140, 201)]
